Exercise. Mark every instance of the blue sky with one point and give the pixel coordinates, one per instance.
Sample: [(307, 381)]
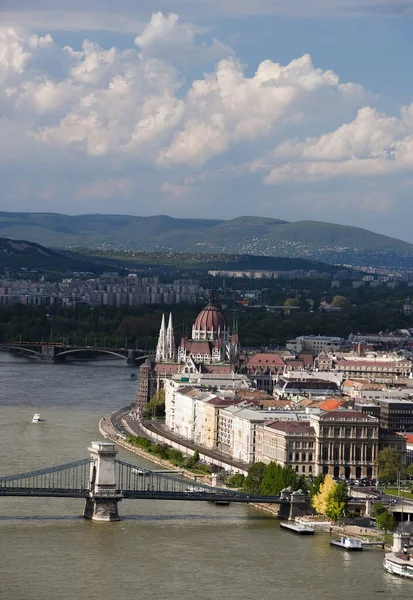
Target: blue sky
[(210, 108)]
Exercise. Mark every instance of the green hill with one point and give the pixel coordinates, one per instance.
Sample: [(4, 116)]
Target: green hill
[(242, 235), (19, 256)]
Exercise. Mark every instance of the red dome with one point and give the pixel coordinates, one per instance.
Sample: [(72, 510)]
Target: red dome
[(210, 318)]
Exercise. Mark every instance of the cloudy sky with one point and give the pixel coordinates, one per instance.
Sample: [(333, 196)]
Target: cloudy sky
[(212, 108)]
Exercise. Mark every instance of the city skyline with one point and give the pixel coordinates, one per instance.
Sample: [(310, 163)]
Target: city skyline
[(211, 110)]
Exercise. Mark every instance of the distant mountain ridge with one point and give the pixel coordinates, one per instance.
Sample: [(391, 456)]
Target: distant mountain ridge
[(242, 235)]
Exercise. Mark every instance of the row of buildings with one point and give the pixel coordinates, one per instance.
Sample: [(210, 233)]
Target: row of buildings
[(107, 290), (323, 406)]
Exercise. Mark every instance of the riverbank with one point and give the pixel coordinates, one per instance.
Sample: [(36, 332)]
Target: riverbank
[(109, 431)]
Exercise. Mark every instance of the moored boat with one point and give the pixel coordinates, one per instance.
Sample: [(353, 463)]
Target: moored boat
[(397, 563), (299, 528), (347, 543), (36, 418)]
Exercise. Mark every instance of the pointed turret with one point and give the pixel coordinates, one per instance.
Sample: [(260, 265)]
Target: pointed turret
[(170, 340), (161, 346)]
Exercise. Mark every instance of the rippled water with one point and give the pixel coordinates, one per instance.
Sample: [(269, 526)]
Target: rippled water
[(161, 550)]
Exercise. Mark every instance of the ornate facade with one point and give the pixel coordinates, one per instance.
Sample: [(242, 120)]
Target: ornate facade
[(211, 340)]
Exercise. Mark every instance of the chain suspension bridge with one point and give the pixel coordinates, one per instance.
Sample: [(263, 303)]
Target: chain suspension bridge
[(103, 481)]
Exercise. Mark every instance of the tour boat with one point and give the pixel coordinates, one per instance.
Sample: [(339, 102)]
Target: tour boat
[(398, 564), (36, 418), (347, 543)]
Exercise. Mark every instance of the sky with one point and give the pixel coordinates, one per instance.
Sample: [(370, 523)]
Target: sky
[(209, 108)]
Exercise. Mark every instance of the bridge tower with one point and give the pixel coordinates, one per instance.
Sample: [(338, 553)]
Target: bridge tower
[(102, 504)]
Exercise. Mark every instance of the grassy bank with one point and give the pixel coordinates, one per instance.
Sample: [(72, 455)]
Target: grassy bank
[(175, 457)]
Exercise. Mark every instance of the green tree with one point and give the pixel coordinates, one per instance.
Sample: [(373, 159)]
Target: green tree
[(253, 481), (236, 480), (291, 302), (378, 509), (339, 301), (410, 470), (386, 521), (389, 465), (315, 486), (192, 460)]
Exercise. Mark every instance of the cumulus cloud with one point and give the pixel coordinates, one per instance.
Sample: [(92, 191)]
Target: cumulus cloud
[(372, 145), (140, 115)]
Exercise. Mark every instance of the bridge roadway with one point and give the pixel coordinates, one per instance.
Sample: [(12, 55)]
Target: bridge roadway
[(55, 351), (204, 496)]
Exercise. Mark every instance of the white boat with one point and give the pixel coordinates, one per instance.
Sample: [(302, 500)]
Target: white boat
[(299, 528), (36, 418), (398, 564), (347, 543)]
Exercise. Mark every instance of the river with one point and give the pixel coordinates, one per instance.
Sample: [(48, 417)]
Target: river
[(160, 550)]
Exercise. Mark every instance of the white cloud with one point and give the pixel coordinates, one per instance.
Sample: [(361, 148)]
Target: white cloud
[(227, 108), (166, 35), (137, 115), (372, 145)]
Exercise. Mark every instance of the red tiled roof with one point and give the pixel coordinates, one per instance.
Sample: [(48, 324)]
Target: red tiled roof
[(330, 404), (266, 359)]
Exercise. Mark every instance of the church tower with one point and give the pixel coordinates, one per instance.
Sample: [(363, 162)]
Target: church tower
[(170, 340), (162, 343)]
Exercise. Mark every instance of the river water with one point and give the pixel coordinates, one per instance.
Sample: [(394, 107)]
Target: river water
[(160, 550)]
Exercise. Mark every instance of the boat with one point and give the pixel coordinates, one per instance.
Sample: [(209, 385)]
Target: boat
[(133, 376), (347, 543), (397, 563), (36, 418), (299, 528)]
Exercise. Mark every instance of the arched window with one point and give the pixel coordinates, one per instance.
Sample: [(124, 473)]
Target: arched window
[(325, 452), (358, 453)]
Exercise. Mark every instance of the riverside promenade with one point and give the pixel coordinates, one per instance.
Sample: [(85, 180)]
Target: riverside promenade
[(113, 426), (121, 422)]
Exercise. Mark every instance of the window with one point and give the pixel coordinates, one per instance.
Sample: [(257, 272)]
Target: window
[(310, 457), (336, 431), (296, 469), (303, 469), (348, 431), (297, 456), (325, 452), (290, 457), (335, 453), (311, 444), (310, 469)]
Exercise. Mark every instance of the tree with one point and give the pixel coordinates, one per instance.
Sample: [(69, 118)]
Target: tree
[(192, 460), (320, 500), (291, 302), (332, 498), (386, 521), (389, 465), (253, 481), (410, 470), (378, 509), (315, 486), (339, 302)]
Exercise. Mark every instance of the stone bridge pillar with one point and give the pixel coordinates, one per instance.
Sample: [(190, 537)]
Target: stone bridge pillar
[(48, 353), (102, 505), (131, 357)]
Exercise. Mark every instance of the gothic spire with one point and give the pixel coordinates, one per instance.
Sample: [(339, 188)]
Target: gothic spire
[(161, 346), (170, 340)]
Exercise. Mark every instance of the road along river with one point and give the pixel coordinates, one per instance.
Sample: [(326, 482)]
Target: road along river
[(160, 550)]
